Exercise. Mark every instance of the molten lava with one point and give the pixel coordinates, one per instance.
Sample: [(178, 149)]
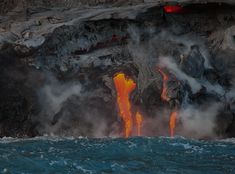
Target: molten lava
[(164, 85), (173, 9), (173, 116), (124, 87), (139, 120), (172, 122)]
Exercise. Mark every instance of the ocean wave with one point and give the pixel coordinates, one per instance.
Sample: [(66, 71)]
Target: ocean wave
[(51, 154)]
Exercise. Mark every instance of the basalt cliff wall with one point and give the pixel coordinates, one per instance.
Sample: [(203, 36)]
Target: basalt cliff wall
[(58, 61)]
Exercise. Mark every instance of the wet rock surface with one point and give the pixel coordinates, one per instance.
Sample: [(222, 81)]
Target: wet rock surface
[(57, 67)]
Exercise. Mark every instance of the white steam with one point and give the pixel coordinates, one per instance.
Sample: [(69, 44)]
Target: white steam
[(171, 65), (188, 40), (199, 122), (54, 95), (194, 84), (62, 106)]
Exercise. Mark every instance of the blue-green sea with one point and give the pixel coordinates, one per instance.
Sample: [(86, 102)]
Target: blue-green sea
[(138, 155)]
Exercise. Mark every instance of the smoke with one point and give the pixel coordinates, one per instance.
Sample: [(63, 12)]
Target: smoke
[(134, 33), (158, 124), (194, 84), (142, 56), (171, 65), (215, 88), (66, 109), (145, 56), (199, 122), (188, 40), (53, 95), (194, 121)]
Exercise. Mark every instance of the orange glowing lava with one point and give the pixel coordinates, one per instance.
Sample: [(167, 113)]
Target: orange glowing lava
[(124, 87), (172, 122), (139, 120), (164, 85), (173, 116)]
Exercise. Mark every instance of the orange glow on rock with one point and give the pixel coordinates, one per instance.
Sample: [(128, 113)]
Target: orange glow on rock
[(164, 96), (124, 87), (173, 9), (172, 122), (139, 120), (164, 85)]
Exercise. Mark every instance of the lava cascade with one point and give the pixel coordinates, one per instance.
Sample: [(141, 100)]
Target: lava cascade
[(173, 116), (124, 87), (164, 85), (172, 122), (139, 120)]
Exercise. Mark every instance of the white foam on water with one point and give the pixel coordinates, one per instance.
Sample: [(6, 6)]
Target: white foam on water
[(44, 137), (227, 140), (83, 169), (188, 146)]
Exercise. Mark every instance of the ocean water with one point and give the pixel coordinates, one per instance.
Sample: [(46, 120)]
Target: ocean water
[(138, 155)]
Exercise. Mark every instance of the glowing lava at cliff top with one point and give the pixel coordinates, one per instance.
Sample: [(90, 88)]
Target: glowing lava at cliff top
[(124, 87)]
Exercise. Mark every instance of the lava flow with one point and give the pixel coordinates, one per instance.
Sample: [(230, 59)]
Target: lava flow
[(124, 87), (164, 85), (173, 116), (172, 122), (139, 120)]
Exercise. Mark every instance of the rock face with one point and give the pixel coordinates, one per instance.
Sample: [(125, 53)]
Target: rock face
[(18, 98), (57, 66), (193, 64)]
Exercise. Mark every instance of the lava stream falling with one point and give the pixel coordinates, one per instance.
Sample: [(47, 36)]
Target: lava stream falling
[(172, 122), (139, 120), (124, 87), (164, 85), (173, 116)]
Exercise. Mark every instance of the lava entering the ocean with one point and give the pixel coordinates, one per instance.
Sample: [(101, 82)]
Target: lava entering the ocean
[(139, 120), (172, 122), (124, 87), (173, 116)]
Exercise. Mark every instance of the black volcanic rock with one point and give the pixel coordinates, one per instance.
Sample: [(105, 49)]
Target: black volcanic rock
[(193, 64), (18, 100)]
